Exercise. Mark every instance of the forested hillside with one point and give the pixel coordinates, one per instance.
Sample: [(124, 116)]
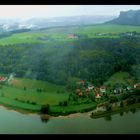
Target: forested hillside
[(93, 58)]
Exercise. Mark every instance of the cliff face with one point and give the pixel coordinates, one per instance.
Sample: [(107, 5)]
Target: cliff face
[(131, 17)]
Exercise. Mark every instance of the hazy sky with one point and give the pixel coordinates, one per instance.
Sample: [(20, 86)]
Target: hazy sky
[(27, 11)]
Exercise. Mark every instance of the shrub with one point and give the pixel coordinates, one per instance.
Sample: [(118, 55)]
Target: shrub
[(28, 101), (60, 103), (24, 88), (62, 91), (65, 103), (138, 100), (58, 91), (130, 101), (113, 99), (34, 103), (136, 92), (125, 96), (108, 107)]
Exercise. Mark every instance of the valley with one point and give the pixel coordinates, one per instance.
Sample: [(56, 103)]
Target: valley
[(51, 80)]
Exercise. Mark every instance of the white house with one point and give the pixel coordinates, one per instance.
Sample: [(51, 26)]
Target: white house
[(137, 85), (102, 89), (90, 87)]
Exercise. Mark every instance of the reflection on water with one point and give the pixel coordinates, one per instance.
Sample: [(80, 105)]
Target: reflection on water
[(16, 123), (133, 110), (121, 113), (44, 118), (108, 117)]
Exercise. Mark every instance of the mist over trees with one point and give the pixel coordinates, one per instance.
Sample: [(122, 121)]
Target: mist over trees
[(92, 59)]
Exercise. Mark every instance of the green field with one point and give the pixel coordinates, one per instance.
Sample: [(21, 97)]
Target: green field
[(16, 95), (56, 110), (121, 78), (50, 35)]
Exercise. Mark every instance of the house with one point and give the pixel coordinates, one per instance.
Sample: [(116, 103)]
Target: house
[(97, 96), (118, 90), (98, 109), (129, 34), (103, 89), (90, 87), (78, 90), (87, 90), (97, 89), (137, 85), (80, 94), (101, 34), (128, 87), (3, 79), (72, 36)]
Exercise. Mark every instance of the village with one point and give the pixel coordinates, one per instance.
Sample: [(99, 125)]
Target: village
[(107, 97), (101, 91)]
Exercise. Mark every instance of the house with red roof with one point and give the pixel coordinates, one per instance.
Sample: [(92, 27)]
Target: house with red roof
[(97, 95), (3, 79), (72, 36)]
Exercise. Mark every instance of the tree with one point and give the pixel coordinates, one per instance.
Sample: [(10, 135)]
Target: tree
[(65, 103), (45, 109), (130, 101), (71, 84), (121, 104), (113, 99), (108, 107), (92, 97)]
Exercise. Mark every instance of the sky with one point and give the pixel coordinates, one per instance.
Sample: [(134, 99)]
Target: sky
[(30, 11)]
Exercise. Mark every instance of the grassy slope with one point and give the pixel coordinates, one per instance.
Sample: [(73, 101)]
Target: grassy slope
[(16, 95), (119, 77)]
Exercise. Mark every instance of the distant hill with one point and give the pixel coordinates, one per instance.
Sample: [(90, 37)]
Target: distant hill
[(37, 23), (66, 21), (131, 17)]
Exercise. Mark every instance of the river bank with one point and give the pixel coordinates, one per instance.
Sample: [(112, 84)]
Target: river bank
[(96, 114), (114, 110), (30, 112)]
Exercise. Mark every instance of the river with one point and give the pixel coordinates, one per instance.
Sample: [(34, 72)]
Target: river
[(12, 122)]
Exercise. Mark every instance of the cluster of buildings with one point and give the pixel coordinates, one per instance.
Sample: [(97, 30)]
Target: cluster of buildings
[(114, 34), (4, 79), (99, 91), (86, 88)]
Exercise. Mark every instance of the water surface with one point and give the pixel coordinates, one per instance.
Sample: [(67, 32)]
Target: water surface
[(12, 122)]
